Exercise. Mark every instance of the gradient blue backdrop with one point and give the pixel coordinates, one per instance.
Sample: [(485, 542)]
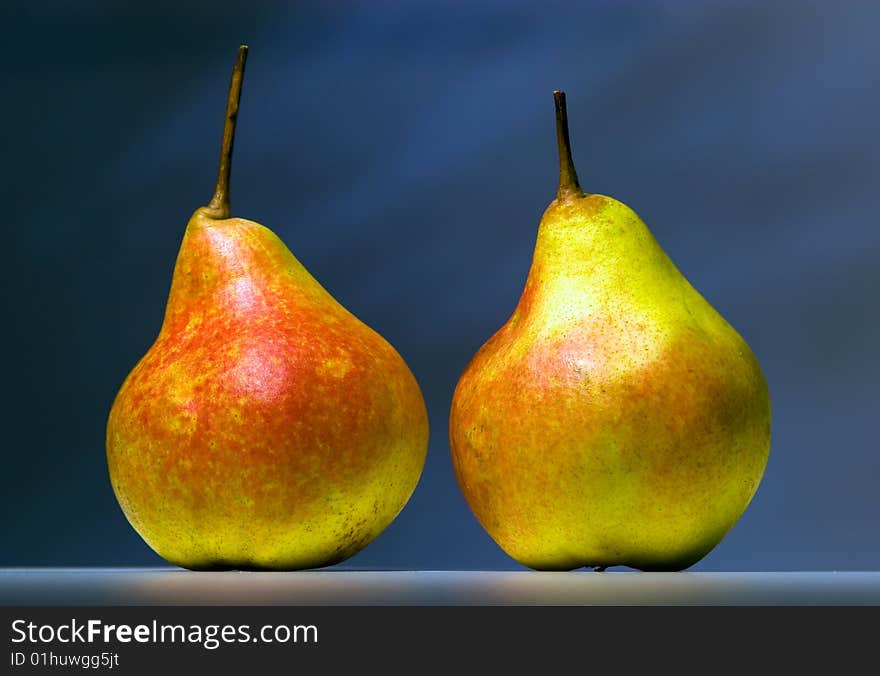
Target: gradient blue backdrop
[(405, 152)]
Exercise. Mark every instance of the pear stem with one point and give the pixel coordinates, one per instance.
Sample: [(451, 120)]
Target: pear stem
[(569, 187), (218, 207)]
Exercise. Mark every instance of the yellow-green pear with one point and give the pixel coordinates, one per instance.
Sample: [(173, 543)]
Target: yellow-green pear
[(616, 418)]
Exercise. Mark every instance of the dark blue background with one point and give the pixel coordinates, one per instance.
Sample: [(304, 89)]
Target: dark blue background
[(405, 152)]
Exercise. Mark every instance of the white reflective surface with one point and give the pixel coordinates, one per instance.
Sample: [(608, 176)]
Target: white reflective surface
[(139, 586)]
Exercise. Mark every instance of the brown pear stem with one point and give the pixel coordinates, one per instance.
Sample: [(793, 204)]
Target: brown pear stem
[(218, 207), (568, 179)]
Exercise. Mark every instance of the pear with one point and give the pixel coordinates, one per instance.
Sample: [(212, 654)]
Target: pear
[(616, 418), (266, 427)]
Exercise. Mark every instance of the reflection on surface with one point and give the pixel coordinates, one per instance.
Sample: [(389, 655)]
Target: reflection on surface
[(138, 586)]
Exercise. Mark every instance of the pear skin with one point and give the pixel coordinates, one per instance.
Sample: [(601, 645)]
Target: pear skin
[(616, 418), (266, 427)]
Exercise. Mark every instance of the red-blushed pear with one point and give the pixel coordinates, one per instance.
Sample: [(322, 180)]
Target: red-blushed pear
[(266, 427), (616, 418)]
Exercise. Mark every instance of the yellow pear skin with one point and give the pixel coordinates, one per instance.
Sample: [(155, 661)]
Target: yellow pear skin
[(616, 418)]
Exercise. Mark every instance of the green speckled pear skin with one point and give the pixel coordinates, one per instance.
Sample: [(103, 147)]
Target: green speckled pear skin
[(616, 418)]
